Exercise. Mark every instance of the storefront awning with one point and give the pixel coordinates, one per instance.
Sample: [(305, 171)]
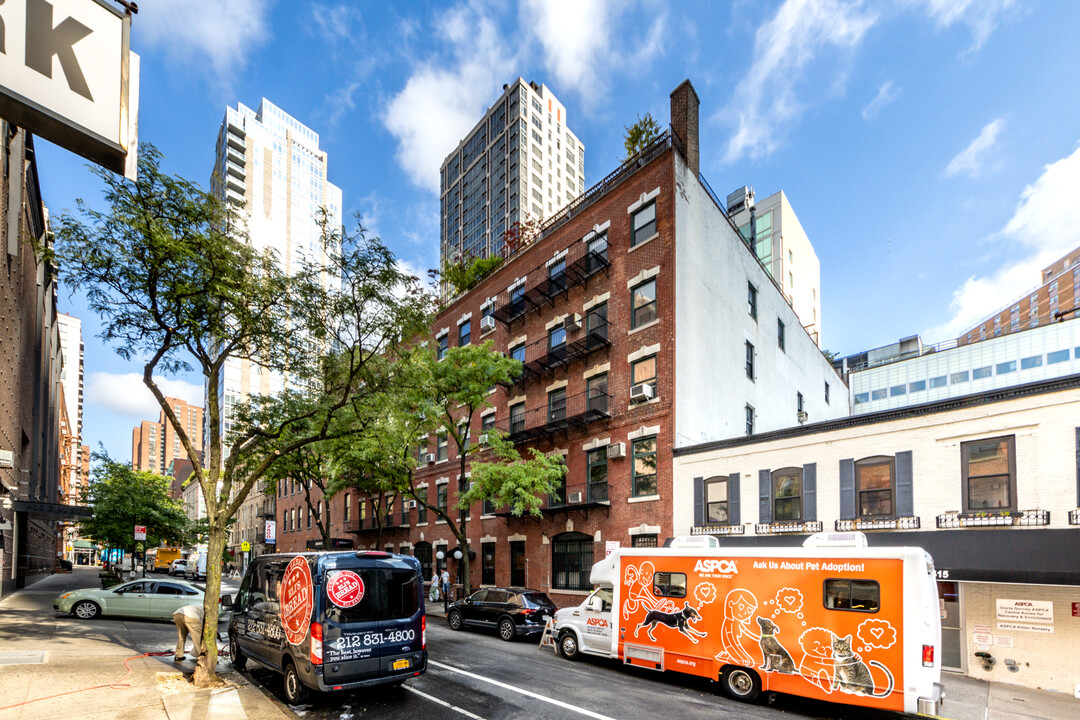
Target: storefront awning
[(53, 511)]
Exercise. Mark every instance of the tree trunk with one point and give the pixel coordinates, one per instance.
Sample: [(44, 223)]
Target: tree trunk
[(206, 667)]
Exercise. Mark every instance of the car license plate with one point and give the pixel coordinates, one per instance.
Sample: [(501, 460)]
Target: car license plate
[(401, 664)]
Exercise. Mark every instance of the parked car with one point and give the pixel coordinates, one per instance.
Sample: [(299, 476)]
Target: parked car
[(157, 599), (331, 621), (513, 611), (176, 567)]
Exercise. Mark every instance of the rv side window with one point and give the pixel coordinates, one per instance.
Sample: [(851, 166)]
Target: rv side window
[(856, 595), (669, 584)]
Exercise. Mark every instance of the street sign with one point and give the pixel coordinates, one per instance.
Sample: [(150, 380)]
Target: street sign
[(271, 532), (245, 546), (140, 532), (67, 74)]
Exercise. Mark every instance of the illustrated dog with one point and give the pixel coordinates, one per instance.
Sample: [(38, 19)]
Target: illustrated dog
[(774, 657), (680, 620)]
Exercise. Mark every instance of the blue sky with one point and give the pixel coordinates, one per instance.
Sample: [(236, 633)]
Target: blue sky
[(929, 147)]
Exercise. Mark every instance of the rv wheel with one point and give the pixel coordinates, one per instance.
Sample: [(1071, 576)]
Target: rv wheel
[(568, 647), (741, 684)]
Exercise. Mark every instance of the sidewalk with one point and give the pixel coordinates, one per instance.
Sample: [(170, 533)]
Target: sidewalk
[(43, 655), (970, 699)]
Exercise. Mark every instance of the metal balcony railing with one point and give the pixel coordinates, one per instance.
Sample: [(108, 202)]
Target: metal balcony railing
[(878, 523), (545, 283), (540, 359), (562, 414), (1074, 517), (1004, 518), (717, 530), (779, 528)]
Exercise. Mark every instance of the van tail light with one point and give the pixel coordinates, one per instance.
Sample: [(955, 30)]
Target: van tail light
[(928, 656), (316, 644), (423, 632)]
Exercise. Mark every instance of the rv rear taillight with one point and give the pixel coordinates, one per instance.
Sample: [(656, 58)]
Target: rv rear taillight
[(316, 644), (423, 632), (928, 656)]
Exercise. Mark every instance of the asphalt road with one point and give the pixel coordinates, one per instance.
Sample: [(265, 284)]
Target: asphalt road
[(473, 674)]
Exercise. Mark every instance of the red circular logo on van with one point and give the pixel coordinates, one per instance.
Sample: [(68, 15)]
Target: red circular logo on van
[(297, 600), (345, 588)]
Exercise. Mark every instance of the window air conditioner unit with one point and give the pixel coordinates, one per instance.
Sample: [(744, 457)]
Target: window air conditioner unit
[(641, 392), (487, 323), (573, 498), (802, 416), (616, 450), (572, 322), (411, 505), (483, 439), (429, 458)]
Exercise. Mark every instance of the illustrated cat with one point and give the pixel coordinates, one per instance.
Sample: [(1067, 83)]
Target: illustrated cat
[(774, 657), (851, 674)]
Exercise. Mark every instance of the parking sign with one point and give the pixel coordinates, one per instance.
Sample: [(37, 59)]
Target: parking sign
[(140, 532)]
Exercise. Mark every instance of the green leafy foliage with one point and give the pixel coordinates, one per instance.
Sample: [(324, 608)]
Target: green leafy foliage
[(460, 276), (511, 482), (639, 135)]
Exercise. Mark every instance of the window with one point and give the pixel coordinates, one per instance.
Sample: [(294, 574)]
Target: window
[(856, 595), (421, 451), (669, 584), (571, 561), (643, 372), (780, 344), (517, 299), (348, 509), (787, 495), (444, 341), (644, 224), (826, 393), (596, 326), (440, 496), (917, 386), (875, 485), (487, 561), (596, 394), (751, 302), (517, 418), (643, 304), (597, 472), (1057, 356), (861, 398), (422, 552), (556, 405), (557, 342), (798, 402), (421, 512), (518, 353), (464, 333), (1006, 367), (897, 390), (939, 381), (958, 377), (309, 518), (716, 501), (749, 360), (441, 445), (596, 250), (983, 372), (644, 480), (989, 469), (1030, 362), (557, 276), (749, 419), (487, 422), (643, 541)]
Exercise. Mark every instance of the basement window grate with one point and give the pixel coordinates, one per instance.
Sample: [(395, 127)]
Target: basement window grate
[(16, 657)]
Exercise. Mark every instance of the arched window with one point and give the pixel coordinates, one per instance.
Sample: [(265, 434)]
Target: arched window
[(422, 552), (571, 561)]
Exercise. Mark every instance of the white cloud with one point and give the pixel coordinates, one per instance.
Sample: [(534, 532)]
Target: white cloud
[(982, 16), (970, 160), (764, 102), (576, 37), (444, 97), (222, 33), (1046, 225), (886, 94), (124, 394)]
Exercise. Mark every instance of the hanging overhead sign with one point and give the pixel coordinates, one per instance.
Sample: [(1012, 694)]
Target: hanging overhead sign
[(67, 74)]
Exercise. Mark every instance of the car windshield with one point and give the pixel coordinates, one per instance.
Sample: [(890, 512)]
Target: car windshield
[(539, 599)]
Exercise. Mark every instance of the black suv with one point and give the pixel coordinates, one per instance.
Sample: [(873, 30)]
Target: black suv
[(514, 611)]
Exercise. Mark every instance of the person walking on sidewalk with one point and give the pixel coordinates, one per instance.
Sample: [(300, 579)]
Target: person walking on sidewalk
[(189, 621), (433, 594), (446, 589)]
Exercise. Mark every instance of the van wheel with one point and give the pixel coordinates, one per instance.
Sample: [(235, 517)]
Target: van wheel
[(295, 692), (454, 620), (238, 661), (568, 646), (741, 684), (507, 631)]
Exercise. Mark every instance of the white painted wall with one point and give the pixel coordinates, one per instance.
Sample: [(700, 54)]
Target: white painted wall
[(712, 324)]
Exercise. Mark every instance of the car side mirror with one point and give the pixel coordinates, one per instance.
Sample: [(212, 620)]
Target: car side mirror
[(226, 602), (596, 604), (468, 601)]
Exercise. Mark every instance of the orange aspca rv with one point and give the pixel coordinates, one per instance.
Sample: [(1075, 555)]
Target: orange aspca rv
[(833, 620)]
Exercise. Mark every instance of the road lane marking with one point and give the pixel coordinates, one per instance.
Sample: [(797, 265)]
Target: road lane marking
[(434, 699), (529, 693)]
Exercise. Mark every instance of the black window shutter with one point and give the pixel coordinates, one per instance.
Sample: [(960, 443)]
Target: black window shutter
[(764, 497), (809, 492), (905, 496), (733, 500), (699, 501), (847, 489)]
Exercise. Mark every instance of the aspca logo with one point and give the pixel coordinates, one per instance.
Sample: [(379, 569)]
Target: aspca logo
[(716, 566), (597, 621)]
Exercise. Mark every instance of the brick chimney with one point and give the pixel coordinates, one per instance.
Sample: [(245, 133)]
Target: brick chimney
[(684, 121)]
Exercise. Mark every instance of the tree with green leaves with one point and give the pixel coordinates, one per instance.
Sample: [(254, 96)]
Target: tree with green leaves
[(639, 135), (509, 481), (179, 287), (122, 498)]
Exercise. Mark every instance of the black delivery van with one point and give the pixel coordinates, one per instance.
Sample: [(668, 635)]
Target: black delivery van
[(365, 626)]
